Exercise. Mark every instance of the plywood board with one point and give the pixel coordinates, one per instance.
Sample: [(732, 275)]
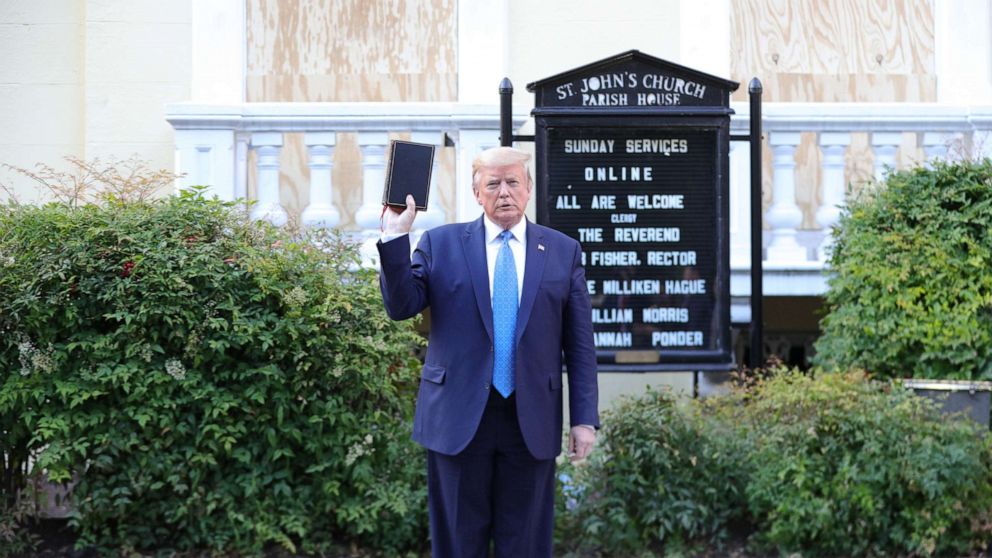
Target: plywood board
[(834, 51)]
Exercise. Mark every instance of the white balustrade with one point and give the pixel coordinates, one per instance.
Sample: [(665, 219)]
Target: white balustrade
[(213, 142), (784, 215), (832, 187), (320, 212), (934, 146), (267, 146), (885, 146), (369, 215)]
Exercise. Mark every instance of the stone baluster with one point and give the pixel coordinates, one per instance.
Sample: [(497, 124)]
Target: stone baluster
[(267, 146), (885, 145), (373, 148), (784, 215), (934, 146), (320, 212), (832, 187), (242, 144)]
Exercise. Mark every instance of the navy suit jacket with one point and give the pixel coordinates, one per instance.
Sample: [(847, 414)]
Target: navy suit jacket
[(449, 274)]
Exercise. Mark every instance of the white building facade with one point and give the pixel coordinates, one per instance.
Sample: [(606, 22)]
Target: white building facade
[(292, 103)]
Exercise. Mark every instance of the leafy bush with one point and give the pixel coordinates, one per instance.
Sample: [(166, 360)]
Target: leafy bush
[(215, 383), (839, 465), (832, 465), (662, 477), (911, 292)]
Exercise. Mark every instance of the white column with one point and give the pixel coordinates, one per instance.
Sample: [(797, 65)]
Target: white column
[(373, 148), (980, 119), (740, 205), (320, 212), (219, 48), (242, 141), (469, 144), (934, 146), (434, 216), (267, 146), (206, 158), (784, 215), (832, 144), (483, 49), (962, 56), (885, 145)]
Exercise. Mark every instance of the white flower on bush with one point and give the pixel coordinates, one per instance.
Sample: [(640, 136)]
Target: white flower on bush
[(359, 449), (174, 367), (34, 360), (295, 297)]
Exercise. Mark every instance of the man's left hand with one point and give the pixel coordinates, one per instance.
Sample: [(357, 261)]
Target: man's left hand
[(581, 439)]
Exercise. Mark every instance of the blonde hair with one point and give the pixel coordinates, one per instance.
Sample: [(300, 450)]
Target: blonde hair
[(499, 157)]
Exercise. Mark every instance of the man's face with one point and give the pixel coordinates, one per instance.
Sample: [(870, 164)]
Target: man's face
[(503, 192)]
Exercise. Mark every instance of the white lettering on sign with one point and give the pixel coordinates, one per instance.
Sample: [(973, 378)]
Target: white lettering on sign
[(685, 286), (674, 85), (609, 89), (564, 91), (646, 234), (665, 146), (590, 234), (604, 202), (665, 258), (623, 218), (664, 315), (612, 258), (676, 339), (656, 201), (567, 202), (590, 285), (613, 338), (604, 99), (609, 81), (631, 287), (589, 146), (616, 174), (658, 99), (612, 315)]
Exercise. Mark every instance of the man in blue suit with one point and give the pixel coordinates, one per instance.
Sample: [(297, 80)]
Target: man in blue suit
[(509, 307)]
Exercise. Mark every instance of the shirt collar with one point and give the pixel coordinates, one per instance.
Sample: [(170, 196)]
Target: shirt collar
[(492, 229)]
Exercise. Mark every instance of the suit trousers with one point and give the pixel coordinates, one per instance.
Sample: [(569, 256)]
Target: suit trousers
[(494, 490)]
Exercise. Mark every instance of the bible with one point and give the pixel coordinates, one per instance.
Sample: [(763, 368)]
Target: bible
[(408, 172)]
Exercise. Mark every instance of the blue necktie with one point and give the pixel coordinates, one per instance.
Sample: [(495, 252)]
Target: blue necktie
[(504, 317)]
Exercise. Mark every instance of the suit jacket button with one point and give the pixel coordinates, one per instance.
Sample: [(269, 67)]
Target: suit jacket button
[(486, 386)]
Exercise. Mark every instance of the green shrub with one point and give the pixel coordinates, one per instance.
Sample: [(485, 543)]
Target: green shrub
[(839, 465), (214, 383), (662, 477), (911, 292)]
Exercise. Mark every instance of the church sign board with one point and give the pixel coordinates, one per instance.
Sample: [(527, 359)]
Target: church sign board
[(632, 159)]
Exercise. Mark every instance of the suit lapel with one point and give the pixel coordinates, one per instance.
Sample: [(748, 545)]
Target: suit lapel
[(533, 271), (474, 248)]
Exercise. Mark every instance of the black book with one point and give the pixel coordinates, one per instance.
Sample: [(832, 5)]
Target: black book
[(408, 172)]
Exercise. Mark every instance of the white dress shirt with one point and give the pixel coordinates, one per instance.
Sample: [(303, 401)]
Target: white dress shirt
[(517, 243)]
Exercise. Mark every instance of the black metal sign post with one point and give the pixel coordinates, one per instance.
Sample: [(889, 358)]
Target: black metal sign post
[(757, 289), (632, 161)]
